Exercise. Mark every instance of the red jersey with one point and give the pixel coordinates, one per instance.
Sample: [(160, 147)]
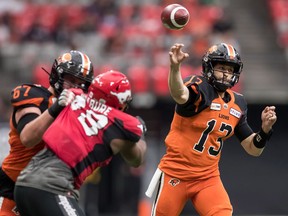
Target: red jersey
[(21, 97), (81, 135), (198, 129)]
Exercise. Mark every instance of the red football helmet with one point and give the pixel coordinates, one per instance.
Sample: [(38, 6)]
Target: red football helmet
[(111, 88)]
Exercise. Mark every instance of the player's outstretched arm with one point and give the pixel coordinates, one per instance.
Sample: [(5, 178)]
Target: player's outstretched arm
[(178, 90), (32, 129), (256, 142)]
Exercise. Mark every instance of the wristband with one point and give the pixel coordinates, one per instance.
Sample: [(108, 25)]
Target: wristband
[(55, 109), (261, 138)]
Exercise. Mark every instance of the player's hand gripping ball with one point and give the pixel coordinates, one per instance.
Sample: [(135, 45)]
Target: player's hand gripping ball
[(175, 16)]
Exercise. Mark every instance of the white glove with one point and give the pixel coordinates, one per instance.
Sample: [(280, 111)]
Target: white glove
[(66, 97)]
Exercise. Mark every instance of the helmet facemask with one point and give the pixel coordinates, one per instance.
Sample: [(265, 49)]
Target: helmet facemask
[(222, 84)]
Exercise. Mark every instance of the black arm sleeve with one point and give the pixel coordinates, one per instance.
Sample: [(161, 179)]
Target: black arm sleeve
[(242, 131), (25, 120)]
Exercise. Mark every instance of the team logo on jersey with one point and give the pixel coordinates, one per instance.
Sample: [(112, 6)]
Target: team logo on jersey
[(174, 182), (225, 106), (215, 106), (223, 116), (235, 113)]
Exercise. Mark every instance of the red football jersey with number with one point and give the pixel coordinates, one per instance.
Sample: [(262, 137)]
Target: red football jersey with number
[(81, 135), (198, 129)]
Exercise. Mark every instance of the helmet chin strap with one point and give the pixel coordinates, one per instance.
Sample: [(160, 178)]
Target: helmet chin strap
[(220, 86)]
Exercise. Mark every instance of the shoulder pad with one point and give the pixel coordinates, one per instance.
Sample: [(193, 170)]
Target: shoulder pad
[(240, 100), (28, 94), (195, 79)]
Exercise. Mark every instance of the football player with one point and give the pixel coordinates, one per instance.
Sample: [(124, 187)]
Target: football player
[(34, 109), (85, 136), (207, 113)]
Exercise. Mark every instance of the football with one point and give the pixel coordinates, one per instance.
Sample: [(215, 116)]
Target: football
[(175, 16)]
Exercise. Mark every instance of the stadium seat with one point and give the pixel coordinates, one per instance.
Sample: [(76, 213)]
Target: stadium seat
[(23, 20), (40, 76), (139, 78), (159, 76), (49, 15)]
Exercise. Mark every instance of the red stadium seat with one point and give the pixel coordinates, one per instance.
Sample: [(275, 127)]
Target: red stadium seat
[(40, 76), (159, 75), (103, 68), (139, 78), (75, 15), (48, 16), (23, 20), (126, 12)]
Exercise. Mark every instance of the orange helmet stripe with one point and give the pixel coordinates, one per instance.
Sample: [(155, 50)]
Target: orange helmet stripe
[(86, 64), (230, 49)]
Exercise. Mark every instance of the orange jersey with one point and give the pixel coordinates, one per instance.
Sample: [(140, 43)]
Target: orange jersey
[(23, 96), (198, 129)]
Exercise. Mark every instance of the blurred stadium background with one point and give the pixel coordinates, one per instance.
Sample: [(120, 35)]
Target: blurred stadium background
[(127, 35)]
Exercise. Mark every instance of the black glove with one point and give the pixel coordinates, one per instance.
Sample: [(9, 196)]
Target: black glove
[(143, 123)]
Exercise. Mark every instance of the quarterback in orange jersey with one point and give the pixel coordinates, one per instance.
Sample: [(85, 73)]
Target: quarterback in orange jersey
[(34, 109), (207, 113)]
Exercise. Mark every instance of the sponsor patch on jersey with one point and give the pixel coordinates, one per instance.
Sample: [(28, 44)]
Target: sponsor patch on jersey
[(235, 113), (215, 106)]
